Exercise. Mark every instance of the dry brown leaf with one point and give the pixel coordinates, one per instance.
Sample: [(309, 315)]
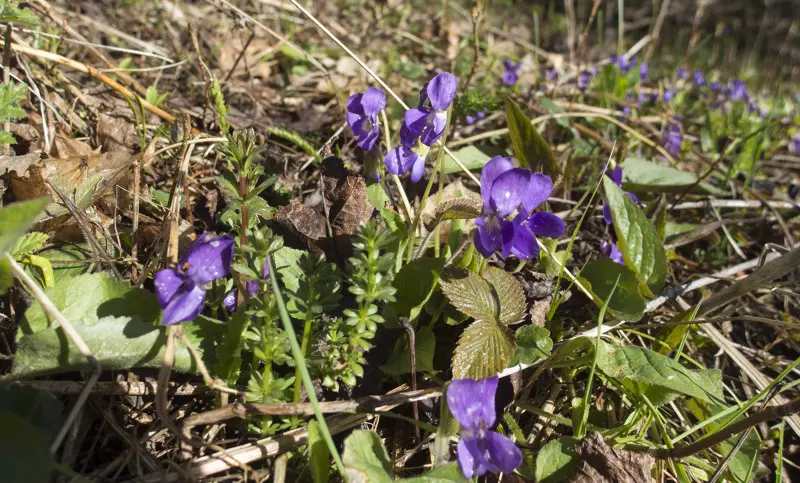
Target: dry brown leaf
[(18, 164), (252, 61), (603, 463), (116, 132)]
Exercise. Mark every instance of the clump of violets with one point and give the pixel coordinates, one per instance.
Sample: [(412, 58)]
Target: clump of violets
[(362, 116), (505, 190), (181, 291), (511, 72), (480, 450), (738, 91), (422, 127), (673, 139), (699, 78), (251, 289)]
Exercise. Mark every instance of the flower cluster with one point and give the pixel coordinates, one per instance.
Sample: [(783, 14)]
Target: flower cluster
[(362, 116), (181, 291), (673, 139), (480, 449), (511, 73), (422, 127), (504, 190)]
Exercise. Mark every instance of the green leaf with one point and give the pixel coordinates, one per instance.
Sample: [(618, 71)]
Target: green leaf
[(287, 264), (642, 175), (117, 322), (62, 259), (6, 281), (294, 138), (553, 108), (600, 277), (647, 369), (472, 157), (509, 293), (15, 219), (318, 454), (257, 207), (11, 94), (29, 243), (365, 458), (557, 461), (459, 209), (552, 265), (529, 146), (638, 240), (44, 267), (6, 138), (38, 407), (415, 283), (471, 294), (24, 451), (376, 195), (533, 343), (10, 12), (425, 348), (449, 473), (229, 350), (484, 349), (741, 462)]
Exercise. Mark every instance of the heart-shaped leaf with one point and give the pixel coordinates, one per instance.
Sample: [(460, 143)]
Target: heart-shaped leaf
[(638, 239), (365, 458), (643, 175), (529, 146), (533, 343), (496, 296)]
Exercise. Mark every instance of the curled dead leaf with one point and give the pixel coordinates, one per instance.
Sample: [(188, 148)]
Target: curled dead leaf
[(601, 462)]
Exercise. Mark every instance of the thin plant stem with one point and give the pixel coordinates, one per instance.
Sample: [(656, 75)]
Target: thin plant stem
[(299, 360), (412, 232)]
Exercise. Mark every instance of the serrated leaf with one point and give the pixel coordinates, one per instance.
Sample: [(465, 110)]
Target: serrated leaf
[(415, 283), (287, 264), (471, 294), (424, 349), (376, 195), (117, 322), (6, 138), (601, 275), (557, 461), (529, 146), (10, 12), (650, 369), (459, 209), (484, 349), (637, 238), (11, 94), (533, 343), (365, 458), (509, 293), (257, 207), (29, 243), (15, 219), (318, 454)]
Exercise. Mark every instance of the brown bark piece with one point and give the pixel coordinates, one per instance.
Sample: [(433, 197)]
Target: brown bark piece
[(600, 463)]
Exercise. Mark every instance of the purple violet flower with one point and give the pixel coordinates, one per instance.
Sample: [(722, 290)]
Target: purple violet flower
[(738, 91), (623, 64), (511, 73), (610, 250), (616, 176), (584, 79), (699, 78), (682, 74), (794, 145), (477, 117), (425, 123), (481, 114), (480, 449), (714, 86), (504, 189), (470, 120), (251, 289), (669, 94), (673, 139), (181, 291), (643, 69), (551, 75), (362, 116)]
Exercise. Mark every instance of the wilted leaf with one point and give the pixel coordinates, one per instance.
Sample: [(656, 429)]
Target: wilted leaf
[(18, 164), (601, 276), (459, 209), (601, 462), (648, 368), (638, 240), (529, 146), (365, 458), (484, 349), (117, 322), (424, 348), (557, 460), (533, 343), (298, 218), (509, 293), (15, 219)]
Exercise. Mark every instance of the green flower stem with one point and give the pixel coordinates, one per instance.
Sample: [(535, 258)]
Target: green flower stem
[(300, 362), (304, 351), (412, 233)]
